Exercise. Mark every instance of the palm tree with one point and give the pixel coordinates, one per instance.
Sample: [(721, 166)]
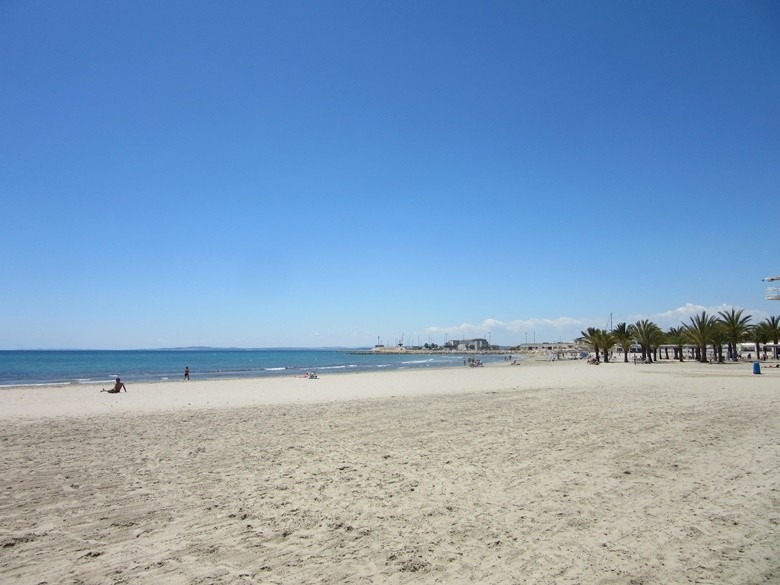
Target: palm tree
[(623, 338), (759, 334), (674, 335), (735, 326), (591, 337), (699, 332), (605, 340), (647, 335), (666, 341), (657, 339), (717, 339), (773, 329)]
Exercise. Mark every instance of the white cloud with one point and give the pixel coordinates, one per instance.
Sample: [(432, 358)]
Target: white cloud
[(683, 314), (568, 328), (550, 327)]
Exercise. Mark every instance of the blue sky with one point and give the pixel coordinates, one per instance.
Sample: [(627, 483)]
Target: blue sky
[(326, 173)]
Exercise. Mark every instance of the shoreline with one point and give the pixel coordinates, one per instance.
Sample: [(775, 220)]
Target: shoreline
[(56, 371), (56, 400), (58, 368), (86, 399)]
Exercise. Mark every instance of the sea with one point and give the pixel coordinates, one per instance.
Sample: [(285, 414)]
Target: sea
[(64, 367)]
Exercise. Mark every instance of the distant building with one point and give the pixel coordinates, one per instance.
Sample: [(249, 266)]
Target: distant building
[(468, 344)]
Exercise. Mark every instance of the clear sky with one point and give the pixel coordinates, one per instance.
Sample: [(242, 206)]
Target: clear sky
[(312, 174)]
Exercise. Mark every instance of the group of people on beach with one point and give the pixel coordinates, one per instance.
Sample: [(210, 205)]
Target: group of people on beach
[(472, 362)]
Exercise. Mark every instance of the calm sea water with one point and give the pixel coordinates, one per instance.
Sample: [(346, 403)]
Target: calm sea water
[(22, 368)]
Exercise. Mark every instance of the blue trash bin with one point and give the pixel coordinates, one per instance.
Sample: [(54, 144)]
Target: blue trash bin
[(756, 368)]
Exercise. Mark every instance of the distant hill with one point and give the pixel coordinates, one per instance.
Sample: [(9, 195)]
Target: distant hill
[(208, 348)]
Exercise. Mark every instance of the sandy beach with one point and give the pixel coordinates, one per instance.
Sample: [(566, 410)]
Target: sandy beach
[(539, 473)]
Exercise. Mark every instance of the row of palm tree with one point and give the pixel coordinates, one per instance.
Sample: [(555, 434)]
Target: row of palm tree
[(728, 329)]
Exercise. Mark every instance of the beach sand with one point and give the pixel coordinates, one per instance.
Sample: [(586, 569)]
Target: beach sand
[(539, 473)]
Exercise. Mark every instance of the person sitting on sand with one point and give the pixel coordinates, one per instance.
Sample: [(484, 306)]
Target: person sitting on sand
[(119, 386)]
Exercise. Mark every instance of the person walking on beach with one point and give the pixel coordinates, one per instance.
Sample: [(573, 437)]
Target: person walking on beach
[(119, 386), (186, 372)]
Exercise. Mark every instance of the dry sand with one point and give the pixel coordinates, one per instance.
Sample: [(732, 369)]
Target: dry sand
[(540, 473)]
